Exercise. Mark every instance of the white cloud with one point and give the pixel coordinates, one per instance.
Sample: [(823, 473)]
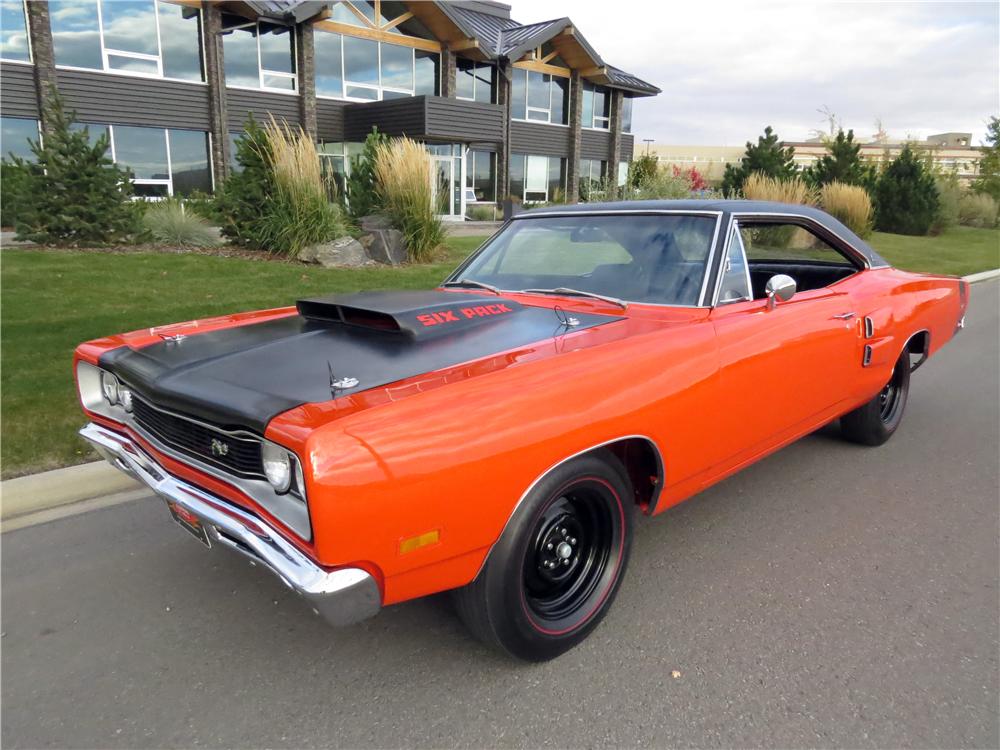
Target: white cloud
[(729, 69)]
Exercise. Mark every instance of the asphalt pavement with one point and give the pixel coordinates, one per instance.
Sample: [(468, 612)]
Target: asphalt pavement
[(831, 596)]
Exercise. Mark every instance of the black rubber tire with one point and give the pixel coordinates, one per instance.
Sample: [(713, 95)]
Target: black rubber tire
[(500, 607), (870, 424)]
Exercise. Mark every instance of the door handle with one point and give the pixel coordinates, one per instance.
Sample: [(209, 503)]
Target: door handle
[(844, 316)]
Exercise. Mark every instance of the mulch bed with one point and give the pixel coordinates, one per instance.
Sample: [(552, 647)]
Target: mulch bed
[(221, 251)]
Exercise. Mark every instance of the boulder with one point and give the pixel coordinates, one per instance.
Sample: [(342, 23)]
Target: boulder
[(374, 222), (385, 246), (345, 251)]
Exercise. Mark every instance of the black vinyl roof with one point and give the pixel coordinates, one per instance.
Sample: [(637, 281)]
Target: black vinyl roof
[(726, 207)]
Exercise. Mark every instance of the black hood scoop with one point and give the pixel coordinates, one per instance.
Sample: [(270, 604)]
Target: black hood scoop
[(417, 315), (246, 375)]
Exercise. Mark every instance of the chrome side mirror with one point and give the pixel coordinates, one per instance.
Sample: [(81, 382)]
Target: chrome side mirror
[(780, 287)]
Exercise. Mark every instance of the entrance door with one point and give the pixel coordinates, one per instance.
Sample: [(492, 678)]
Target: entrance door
[(447, 179)]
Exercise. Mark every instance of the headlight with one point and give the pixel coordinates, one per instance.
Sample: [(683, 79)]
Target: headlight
[(125, 397), (109, 385), (277, 466)]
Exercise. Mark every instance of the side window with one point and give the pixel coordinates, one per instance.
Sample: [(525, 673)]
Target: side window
[(735, 285), (787, 243)]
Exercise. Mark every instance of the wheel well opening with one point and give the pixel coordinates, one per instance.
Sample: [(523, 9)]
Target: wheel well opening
[(918, 347), (642, 462)]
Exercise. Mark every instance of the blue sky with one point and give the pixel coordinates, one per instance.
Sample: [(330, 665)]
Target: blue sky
[(729, 69)]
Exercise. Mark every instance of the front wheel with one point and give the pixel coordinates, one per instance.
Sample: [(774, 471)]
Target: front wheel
[(553, 574), (875, 422)]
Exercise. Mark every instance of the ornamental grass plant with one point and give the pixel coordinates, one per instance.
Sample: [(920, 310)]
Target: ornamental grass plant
[(402, 174), (173, 223), (760, 187), (977, 210), (850, 204)]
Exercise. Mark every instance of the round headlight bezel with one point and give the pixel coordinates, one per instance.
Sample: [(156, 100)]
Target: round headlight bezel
[(109, 387), (278, 469)]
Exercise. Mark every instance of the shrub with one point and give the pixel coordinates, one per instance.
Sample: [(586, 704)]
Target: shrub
[(402, 170), (641, 168), (279, 200), (850, 204), (842, 162), (172, 222), (949, 194), (761, 187), (73, 194), (362, 188), (661, 185), (768, 157), (482, 213), (977, 210), (906, 199), (988, 181), (14, 181)]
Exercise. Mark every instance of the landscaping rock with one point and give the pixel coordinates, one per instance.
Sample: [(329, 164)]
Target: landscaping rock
[(375, 222), (385, 246), (345, 251)]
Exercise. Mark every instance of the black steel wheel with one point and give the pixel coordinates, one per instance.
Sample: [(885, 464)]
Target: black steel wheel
[(875, 422), (555, 570)]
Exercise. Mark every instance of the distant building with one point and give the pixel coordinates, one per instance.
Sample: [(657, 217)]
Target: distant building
[(951, 152)]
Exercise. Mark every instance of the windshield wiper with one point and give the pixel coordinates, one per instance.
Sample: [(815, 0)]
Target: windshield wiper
[(566, 291), (473, 283)]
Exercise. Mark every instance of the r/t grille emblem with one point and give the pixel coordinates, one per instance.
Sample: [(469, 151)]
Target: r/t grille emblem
[(219, 448)]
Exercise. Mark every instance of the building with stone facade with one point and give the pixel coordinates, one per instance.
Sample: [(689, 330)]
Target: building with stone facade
[(505, 109)]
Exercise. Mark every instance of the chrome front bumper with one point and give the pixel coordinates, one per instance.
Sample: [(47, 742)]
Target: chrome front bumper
[(342, 597)]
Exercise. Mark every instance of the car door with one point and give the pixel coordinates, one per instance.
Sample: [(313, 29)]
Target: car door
[(783, 367)]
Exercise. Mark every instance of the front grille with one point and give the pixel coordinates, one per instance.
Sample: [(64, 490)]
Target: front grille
[(242, 454)]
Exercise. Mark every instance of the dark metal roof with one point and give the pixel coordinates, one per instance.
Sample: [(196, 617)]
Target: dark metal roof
[(727, 207), (287, 11), (620, 79), (485, 27), (514, 42)]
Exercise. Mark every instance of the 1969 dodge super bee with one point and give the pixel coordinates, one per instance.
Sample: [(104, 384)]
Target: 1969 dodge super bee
[(499, 434)]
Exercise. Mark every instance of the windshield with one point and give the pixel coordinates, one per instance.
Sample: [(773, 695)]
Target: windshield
[(654, 258)]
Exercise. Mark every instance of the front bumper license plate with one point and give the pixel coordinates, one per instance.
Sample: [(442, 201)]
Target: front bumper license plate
[(190, 523)]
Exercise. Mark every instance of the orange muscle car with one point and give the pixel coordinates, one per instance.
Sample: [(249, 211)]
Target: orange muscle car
[(498, 435)]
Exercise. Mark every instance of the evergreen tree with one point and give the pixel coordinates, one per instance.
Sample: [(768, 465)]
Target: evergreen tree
[(641, 170), (767, 157), (841, 163), (906, 198), (989, 167), (73, 194), (243, 200), (362, 193)]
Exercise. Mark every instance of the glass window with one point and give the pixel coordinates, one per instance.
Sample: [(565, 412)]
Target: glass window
[(13, 31), (189, 163), (329, 64), (518, 94), (15, 133), (130, 26), (140, 37), (465, 79), (735, 283), (784, 243), (361, 61), (277, 48), (627, 114), (94, 132), (397, 67), (484, 82), (239, 50), (76, 35), (560, 99), (652, 259), (537, 177), (596, 107), (273, 45), (180, 41), (517, 176), (587, 119), (622, 173), (143, 150), (480, 174), (426, 72), (557, 178)]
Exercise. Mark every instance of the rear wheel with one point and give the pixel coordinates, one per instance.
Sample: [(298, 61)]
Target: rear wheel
[(876, 421), (556, 569)]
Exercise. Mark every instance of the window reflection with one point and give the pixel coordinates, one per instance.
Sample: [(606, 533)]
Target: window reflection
[(15, 133), (13, 31)]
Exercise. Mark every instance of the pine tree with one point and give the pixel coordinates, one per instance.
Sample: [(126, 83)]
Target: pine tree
[(841, 163), (243, 200), (989, 166), (362, 195), (767, 157), (74, 194), (906, 198)]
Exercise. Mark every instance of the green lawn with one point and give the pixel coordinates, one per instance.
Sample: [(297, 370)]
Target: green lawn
[(54, 300), (959, 251)]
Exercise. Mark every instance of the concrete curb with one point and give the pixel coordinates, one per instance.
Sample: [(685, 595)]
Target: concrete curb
[(983, 276), (61, 486), (51, 489)]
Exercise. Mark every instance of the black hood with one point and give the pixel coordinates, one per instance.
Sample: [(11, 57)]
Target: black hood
[(246, 375)]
